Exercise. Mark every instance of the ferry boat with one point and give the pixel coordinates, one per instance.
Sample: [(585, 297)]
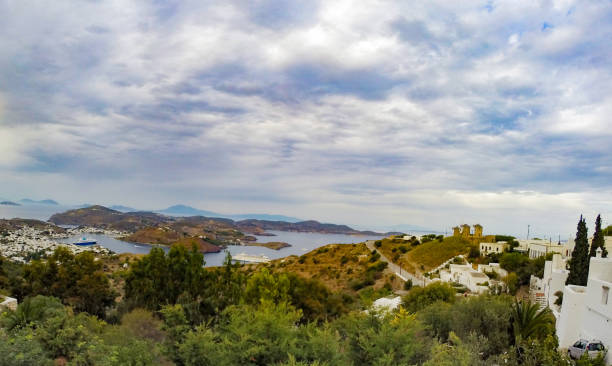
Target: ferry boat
[(85, 241)]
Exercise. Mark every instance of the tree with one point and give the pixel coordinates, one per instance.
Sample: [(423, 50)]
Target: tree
[(529, 321), (598, 240), (32, 310), (78, 280), (579, 264), (159, 279), (420, 297), (512, 283)]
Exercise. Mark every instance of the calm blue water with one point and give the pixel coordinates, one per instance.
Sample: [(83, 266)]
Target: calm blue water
[(300, 242)]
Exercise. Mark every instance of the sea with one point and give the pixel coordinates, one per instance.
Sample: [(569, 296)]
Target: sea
[(300, 242)]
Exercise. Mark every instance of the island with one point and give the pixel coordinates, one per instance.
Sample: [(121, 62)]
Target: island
[(276, 245), (9, 203)]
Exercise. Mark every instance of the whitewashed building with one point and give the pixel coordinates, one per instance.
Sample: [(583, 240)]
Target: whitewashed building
[(493, 267), (542, 290), (487, 248), (539, 247), (467, 276), (587, 310), (569, 245), (8, 303), (387, 303)]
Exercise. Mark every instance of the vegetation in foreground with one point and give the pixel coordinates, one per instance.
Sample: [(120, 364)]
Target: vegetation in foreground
[(172, 311)]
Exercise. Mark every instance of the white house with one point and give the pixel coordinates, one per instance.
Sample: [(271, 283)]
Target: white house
[(587, 310), (542, 290), (385, 304), (499, 247), (467, 276), (493, 267), (8, 303), (539, 247), (569, 245)]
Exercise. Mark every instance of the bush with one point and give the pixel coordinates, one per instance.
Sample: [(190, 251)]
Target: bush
[(408, 284), (421, 297), (378, 243), (403, 248)]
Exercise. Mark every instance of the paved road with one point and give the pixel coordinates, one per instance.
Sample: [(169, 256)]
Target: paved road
[(399, 271)]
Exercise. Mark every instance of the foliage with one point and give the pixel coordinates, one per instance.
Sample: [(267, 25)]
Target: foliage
[(374, 339), (159, 279), (455, 353), (522, 266), (311, 297), (512, 283), (529, 321), (420, 297), (78, 280), (20, 348), (579, 263), (408, 284), (559, 300), (486, 316), (598, 240), (32, 310)]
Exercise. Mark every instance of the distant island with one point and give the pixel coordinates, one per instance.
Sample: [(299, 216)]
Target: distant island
[(28, 201), (9, 203), (103, 217), (122, 208), (276, 245), (184, 210)]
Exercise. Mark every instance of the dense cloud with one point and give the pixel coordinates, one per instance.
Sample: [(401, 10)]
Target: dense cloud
[(373, 113)]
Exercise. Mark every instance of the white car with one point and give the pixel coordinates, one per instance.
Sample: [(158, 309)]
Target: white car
[(594, 348)]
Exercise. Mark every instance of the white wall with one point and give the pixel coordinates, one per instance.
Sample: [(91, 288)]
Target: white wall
[(584, 313)]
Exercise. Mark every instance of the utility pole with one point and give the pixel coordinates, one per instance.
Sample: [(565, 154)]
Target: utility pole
[(528, 227)]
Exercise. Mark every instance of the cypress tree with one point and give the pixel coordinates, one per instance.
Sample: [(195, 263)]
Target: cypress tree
[(579, 264), (598, 240)]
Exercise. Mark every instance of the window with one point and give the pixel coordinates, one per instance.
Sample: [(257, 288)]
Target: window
[(604, 295)]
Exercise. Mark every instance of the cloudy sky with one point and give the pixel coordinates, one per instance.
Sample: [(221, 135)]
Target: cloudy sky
[(370, 113)]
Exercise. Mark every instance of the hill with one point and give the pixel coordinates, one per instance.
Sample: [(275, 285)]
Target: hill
[(28, 201), (184, 210), (209, 234), (122, 208), (102, 217), (347, 268), (423, 257), (9, 203), (13, 224), (310, 226), (265, 217)]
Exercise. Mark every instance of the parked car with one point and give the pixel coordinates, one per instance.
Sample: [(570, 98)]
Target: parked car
[(594, 348)]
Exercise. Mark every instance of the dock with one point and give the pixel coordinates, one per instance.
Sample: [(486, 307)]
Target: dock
[(250, 258)]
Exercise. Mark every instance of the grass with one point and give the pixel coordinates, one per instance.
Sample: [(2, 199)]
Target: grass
[(423, 257), (341, 267)]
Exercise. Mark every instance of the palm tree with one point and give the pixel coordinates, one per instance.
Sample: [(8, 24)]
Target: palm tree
[(528, 321), (31, 310)]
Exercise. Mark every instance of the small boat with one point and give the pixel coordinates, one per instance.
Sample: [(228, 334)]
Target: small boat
[(85, 241)]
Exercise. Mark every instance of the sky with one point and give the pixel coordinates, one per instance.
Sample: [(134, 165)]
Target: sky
[(370, 113)]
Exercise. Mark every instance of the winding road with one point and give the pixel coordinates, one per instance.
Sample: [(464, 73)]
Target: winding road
[(399, 272)]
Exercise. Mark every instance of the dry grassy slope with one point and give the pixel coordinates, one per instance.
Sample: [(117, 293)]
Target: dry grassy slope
[(154, 235), (428, 255), (338, 266)]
